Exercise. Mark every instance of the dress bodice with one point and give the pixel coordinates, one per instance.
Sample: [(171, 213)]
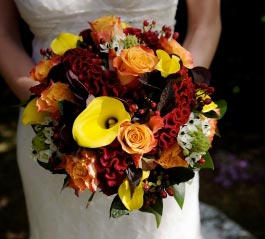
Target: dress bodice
[(46, 18)]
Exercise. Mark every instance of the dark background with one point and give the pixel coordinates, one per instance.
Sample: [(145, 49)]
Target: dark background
[(236, 186)]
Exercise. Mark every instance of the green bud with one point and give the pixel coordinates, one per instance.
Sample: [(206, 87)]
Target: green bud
[(201, 142), (38, 142), (130, 41)]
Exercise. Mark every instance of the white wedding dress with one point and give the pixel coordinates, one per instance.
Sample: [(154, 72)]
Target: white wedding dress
[(59, 214)]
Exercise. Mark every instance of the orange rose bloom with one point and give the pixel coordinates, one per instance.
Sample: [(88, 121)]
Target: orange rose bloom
[(41, 70), (82, 170), (171, 46), (136, 138), (133, 62), (49, 98), (105, 28)]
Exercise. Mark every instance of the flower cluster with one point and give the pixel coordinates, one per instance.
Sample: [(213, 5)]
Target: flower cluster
[(122, 111)]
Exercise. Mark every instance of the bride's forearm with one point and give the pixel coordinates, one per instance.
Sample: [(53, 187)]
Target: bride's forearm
[(203, 43), (15, 66), (203, 30), (15, 63)]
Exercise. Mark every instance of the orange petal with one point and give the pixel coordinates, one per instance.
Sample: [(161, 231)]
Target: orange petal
[(172, 157), (155, 123)]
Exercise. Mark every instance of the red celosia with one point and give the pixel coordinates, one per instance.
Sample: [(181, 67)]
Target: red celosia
[(88, 68), (184, 93), (111, 168)]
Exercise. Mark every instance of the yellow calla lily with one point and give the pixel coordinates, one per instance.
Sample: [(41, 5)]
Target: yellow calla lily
[(99, 123), (167, 65), (123, 25), (209, 107), (31, 115), (204, 96), (64, 41), (135, 201)]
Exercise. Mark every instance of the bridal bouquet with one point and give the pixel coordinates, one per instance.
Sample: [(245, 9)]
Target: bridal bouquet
[(122, 111)]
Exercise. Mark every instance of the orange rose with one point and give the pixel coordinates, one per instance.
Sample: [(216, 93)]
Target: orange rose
[(171, 46), (104, 28), (41, 70), (82, 170), (49, 98), (133, 62), (136, 138)]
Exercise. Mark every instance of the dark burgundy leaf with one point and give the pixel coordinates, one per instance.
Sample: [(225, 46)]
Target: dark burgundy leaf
[(79, 90), (201, 75)]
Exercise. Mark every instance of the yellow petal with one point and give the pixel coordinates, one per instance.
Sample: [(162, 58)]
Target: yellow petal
[(31, 114), (202, 94), (123, 25), (167, 65), (209, 107), (89, 128), (133, 202), (64, 41), (145, 174)]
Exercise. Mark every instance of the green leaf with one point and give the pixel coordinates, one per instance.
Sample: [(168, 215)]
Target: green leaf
[(179, 175), (67, 110), (117, 209), (134, 176), (156, 209), (179, 193), (208, 162), (222, 105), (211, 114), (61, 106)]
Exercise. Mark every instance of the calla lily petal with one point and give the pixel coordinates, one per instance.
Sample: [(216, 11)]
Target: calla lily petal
[(64, 41), (173, 47), (135, 201), (99, 123), (209, 107), (167, 65), (131, 203), (31, 115), (204, 96)]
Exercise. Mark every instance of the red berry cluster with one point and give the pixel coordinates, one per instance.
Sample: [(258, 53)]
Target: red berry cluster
[(46, 53), (160, 187), (165, 32), (142, 107)]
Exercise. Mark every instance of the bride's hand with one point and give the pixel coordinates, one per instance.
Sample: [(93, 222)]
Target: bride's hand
[(21, 87)]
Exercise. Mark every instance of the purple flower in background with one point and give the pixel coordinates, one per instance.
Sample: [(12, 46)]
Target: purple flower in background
[(231, 168)]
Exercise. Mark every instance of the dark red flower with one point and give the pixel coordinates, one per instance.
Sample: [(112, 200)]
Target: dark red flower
[(184, 95), (111, 168), (87, 66)]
